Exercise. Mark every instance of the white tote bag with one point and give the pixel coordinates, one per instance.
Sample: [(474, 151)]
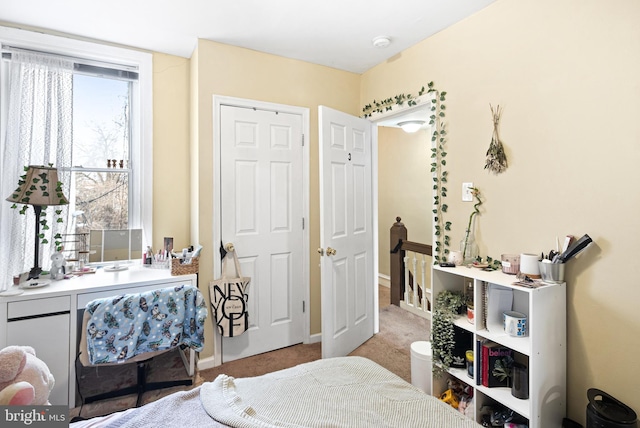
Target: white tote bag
[(229, 298)]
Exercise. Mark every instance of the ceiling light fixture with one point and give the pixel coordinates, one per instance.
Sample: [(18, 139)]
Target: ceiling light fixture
[(381, 41), (411, 125)]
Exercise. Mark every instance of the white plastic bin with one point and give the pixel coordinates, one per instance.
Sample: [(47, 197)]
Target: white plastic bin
[(421, 365)]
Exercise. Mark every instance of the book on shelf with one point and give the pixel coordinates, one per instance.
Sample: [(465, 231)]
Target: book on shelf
[(463, 342), (481, 321), (478, 362), (496, 361)]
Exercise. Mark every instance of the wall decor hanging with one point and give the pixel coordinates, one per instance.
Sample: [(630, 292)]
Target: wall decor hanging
[(496, 158)]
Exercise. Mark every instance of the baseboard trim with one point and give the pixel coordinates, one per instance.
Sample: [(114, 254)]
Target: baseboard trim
[(315, 338), (384, 280), (206, 363)]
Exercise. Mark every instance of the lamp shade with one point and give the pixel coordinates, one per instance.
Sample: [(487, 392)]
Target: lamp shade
[(411, 125), (39, 186)]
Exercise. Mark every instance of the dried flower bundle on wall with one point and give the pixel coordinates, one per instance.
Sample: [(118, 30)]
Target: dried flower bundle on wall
[(496, 158)]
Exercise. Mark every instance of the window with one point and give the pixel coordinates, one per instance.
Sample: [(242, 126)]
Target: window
[(101, 167), (110, 172)]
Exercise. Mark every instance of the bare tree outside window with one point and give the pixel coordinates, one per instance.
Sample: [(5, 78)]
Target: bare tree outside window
[(101, 153)]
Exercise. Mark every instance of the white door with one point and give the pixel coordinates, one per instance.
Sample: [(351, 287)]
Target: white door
[(261, 213), (347, 231)]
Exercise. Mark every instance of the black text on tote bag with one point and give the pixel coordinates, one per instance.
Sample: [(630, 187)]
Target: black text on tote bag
[(229, 297)]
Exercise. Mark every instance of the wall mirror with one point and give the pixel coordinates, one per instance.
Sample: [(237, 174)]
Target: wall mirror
[(115, 245)]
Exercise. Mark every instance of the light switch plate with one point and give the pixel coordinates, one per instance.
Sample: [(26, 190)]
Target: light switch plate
[(467, 196)]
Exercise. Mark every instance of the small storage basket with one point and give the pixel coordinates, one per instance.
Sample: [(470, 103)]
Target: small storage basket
[(178, 268)]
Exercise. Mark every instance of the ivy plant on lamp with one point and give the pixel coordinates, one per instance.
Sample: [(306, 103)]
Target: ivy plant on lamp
[(39, 187)]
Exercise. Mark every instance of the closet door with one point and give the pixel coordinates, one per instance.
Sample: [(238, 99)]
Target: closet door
[(262, 212)]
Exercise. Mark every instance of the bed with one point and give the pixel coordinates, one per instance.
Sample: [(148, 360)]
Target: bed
[(337, 392)]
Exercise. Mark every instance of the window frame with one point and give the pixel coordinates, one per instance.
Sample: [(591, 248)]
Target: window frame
[(141, 185)]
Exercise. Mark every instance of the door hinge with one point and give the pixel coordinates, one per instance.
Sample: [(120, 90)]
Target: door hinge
[(303, 307), (302, 140), (302, 223)]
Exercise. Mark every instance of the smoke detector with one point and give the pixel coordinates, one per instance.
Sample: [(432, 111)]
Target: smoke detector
[(381, 41)]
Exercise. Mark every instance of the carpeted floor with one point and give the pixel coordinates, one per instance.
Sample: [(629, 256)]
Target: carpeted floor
[(390, 348)]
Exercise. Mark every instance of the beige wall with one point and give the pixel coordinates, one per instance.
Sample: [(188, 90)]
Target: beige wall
[(567, 75), (404, 187), (171, 156), (243, 73)]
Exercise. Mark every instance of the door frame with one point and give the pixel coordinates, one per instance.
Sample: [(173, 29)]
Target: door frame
[(419, 110), (218, 102)]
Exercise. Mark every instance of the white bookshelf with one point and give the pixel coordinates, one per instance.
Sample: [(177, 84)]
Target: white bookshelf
[(543, 350)]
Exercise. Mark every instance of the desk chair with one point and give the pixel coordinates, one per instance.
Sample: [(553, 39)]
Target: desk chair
[(135, 328)]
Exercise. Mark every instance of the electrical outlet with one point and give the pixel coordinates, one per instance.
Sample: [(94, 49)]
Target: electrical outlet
[(467, 196)]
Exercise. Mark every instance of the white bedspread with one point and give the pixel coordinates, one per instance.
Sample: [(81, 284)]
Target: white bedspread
[(180, 409), (339, 392)]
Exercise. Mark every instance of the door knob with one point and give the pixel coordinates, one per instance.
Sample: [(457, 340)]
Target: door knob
[(229, 247), (331, 251), (321, 251)]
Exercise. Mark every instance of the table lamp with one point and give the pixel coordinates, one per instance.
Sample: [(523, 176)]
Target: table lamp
[(39, 187)]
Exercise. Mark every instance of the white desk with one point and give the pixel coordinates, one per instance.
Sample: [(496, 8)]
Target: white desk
[(47, 318)]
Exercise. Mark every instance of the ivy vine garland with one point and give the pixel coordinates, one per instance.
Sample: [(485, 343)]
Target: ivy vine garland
[(438, 161), (387, 104)]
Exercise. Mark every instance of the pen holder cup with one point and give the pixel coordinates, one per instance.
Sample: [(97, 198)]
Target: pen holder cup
[(178, 268), (552, 272)]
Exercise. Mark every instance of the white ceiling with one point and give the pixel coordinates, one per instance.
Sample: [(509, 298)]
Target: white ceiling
[(335, 33)]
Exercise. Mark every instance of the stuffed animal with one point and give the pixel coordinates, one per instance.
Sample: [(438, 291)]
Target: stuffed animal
[(17, 394), (24, 378), (57, 265)]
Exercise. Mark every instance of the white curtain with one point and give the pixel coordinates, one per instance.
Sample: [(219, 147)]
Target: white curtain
[(38, 132)]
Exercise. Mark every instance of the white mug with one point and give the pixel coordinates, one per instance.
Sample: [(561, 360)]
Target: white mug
[(455, 257), (515, 323)]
